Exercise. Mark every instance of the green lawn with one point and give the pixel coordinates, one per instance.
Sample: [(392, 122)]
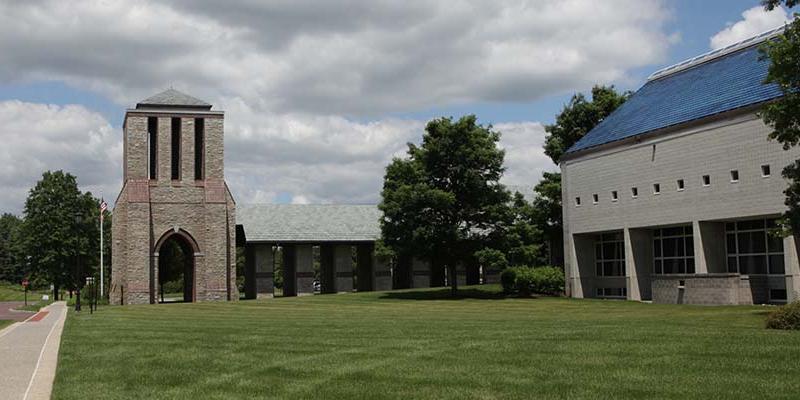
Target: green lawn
[(4, 323), (15, 292), (413, 345)]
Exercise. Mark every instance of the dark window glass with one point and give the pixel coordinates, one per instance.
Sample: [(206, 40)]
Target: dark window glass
[(677, 231), (690, 265), (657, 267), (608, 268), (776, 264), (690, 246), (752, 242), (775, 243), (754, 224), (731, 243), (152, 130), (599, 268), (670, 266), (777, 294), (200, 148), (598, 251), (753, 264), (730, 226), (669, 248), (732, 265), (657, 247), (176, 149)]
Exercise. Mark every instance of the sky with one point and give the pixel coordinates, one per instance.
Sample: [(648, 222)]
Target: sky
[(319, 96)]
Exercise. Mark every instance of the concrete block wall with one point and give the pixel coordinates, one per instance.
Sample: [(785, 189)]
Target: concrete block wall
[(738, 142)]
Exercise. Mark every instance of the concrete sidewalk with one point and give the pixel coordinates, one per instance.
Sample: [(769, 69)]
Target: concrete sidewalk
[(29, 353)]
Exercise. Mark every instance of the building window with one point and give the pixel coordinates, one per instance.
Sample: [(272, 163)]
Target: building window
[(199, 147), (614, 196), (681, 185), (595, 198), (612, 293), (656, 188), (176, 149), (577, 201), (152, 146), (734, 176), (634, 192), (706, 180), (777, 296), (673, 250), (765, 172), (609, 251), (752, 247)]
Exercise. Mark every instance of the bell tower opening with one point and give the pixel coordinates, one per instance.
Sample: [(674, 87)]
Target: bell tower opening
[(176, 270)]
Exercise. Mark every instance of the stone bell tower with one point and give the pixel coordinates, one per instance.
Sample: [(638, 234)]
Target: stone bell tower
[(173, 200)]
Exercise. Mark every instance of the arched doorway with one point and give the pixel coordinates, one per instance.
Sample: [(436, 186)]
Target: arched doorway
[(175, 270)]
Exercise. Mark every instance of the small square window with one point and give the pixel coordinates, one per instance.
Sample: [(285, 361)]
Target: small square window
[(765, 172), (577, 201), (595, 198), (634, 192), (706, 180), (681, 185), (656, 188), (614, 195), (734, 176)]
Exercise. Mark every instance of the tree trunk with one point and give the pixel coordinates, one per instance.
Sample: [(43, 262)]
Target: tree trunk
[(453, 280), (55, 292)]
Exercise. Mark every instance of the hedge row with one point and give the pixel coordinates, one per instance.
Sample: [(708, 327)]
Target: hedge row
[(527, 280)]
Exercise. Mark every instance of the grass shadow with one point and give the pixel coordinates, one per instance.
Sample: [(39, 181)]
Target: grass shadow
[(445, 294)]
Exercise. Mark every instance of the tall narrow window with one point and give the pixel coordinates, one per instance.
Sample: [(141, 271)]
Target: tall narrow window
[(199, 147), (176, 149), (152, 146)]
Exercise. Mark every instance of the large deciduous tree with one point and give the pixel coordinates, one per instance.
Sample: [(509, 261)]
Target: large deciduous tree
[(783, 115), (11, 267), (442, 200), (60, 229)]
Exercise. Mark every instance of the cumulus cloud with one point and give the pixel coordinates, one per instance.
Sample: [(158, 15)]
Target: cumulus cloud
[(344, 57), (308, 87), (40, 137), (754, 21)]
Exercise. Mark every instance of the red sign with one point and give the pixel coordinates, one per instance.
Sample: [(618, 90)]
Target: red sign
[(25, 283)]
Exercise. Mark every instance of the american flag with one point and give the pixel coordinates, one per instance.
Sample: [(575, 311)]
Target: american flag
[(103, 208)]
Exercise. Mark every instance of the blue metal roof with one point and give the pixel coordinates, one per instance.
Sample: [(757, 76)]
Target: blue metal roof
[(722, 84)]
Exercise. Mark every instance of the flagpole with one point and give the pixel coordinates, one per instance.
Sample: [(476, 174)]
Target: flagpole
[(101, 248)]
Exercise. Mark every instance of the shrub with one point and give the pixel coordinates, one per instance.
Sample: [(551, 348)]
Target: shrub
[(785, 317), (508, 279), (548, 280), (526, 278)]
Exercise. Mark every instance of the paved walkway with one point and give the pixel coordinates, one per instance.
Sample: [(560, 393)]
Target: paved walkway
[(7, 312), (29, 352)]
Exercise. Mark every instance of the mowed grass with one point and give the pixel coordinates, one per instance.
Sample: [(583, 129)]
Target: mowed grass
[(4, 323), (15, 292), (420, 345)]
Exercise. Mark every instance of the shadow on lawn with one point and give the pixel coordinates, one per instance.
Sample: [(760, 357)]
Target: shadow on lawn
[(445, 294)]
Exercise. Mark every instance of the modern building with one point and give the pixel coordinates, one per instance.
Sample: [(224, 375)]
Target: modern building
[(673, 197), (174, 206)]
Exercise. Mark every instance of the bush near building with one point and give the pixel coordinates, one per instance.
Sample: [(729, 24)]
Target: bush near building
[(785, 317), (527, 280)]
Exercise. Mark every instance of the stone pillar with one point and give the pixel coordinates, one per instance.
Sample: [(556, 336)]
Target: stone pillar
[(343, 265), (791, 263), (304, 269), (638, 263), (154, 271), (264, 264), (382, 274), (364, 267), (709, 247), (327, 272), (421, 276), (289, 270)]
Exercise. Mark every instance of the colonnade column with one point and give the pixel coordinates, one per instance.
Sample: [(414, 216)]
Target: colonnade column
[(791, 263), (304, 269), (343, 265), (638, 262)]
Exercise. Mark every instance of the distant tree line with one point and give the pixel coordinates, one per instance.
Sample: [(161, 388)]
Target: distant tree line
[(56, 240)]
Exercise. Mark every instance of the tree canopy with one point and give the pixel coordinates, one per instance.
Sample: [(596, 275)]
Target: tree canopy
[(578, 117), (11, 266), (445, 198), (783, 115)]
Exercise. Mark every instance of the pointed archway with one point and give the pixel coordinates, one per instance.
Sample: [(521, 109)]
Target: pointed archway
[(174, 275)]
